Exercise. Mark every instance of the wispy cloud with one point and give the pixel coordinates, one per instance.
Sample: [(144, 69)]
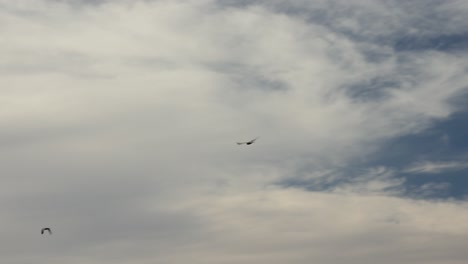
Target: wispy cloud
[(119, 121), (433, 167)]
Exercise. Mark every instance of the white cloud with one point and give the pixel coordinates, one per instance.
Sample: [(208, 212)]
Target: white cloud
[(432, 167), (375, 181), (119, 122)]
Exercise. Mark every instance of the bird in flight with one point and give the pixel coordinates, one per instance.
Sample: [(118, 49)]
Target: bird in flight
[(248, 142), (46, 229)]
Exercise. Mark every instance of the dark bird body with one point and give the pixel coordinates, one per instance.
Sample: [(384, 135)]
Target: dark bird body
[(247, 142), (46, 229)]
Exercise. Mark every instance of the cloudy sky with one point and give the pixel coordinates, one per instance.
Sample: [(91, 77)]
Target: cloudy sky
[(119, 121)]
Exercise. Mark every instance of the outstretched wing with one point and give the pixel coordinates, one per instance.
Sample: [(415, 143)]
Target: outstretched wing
[(253, 140)]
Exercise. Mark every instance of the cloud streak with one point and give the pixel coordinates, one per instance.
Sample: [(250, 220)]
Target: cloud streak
[(428, 167)]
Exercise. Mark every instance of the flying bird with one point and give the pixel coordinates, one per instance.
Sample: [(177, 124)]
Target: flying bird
[(248, 142), (46, 229)]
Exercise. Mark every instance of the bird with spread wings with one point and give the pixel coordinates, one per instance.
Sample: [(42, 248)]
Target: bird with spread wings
[(46, 229), (248, 142)]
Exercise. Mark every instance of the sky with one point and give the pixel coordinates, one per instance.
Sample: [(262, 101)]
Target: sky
[(119, 122)]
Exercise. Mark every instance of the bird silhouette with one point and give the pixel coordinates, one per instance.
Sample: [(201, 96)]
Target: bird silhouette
[(248, 142), (46, 229)]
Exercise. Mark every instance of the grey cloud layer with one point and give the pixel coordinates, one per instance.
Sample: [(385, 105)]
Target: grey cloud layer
[(119, 121)]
